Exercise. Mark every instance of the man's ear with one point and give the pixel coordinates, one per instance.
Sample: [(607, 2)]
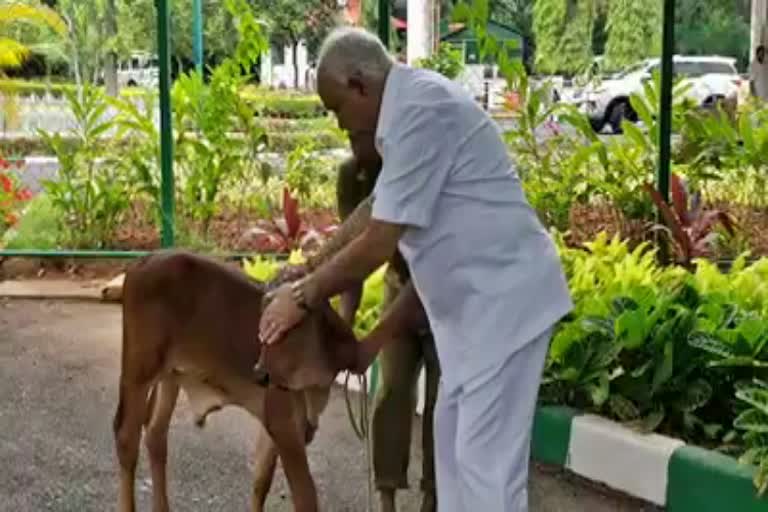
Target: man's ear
[(356, 83)]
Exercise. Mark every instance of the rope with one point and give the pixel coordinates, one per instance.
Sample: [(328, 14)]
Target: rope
[(362, 430)]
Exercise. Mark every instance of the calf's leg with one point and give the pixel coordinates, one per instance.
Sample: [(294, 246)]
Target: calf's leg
[(131, 411), (286, 422), (265, 461), (165, 393)]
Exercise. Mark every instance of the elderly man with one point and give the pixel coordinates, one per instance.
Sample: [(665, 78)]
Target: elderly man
[(486, 271)]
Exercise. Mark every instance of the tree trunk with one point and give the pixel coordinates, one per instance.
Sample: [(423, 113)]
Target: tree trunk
[(295, 58), (758, 28), (110, 64), (75, 56)]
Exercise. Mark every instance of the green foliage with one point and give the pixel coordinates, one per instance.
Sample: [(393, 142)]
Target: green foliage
[(37, 228), (634, 31), (754, 422), (712, 27), (549, 19), (665, 349), (90, 193), (207, 156), (293, 20), (303, 171), (13, 51), (448, 61), (137, 29)]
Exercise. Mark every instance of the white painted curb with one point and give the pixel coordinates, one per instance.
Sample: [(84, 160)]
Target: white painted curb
[(606, 452)]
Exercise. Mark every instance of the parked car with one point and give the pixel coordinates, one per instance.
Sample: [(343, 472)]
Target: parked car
[(711, 79)]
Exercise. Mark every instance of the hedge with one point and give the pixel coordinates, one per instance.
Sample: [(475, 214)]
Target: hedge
[(26, 88), (278, 142), (279, 104)]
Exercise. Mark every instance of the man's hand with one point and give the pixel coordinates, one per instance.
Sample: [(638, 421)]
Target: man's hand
[(279, 316)]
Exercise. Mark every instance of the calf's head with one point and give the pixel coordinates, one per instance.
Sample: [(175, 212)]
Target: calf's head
[(312, 353)]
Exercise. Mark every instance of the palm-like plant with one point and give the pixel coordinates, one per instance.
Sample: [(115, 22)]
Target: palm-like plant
[(13, 53)]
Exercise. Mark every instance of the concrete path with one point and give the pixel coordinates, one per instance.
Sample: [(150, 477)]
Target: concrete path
[(59, 364)]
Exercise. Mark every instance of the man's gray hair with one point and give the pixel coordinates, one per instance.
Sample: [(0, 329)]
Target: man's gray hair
[(349, 50)]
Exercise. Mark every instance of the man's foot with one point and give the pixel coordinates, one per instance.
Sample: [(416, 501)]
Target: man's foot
[(387, 501), (429, 502)]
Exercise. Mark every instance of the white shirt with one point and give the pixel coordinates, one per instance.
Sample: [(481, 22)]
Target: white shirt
[(485, 268)]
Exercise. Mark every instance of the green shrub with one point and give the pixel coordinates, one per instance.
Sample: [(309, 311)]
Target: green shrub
[(284, 105), (37, 228), (57, 90), (280, 142), (664, 349)]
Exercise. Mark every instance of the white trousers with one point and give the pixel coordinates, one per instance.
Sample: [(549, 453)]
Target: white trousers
[(483, 435)]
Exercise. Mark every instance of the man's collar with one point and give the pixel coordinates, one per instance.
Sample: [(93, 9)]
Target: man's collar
[(388, 99)]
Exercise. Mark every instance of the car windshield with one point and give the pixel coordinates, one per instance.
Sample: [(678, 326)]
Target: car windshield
[(631, 69), (694, 68)]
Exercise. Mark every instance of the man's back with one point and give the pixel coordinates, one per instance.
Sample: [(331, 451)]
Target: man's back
[(477, 251)]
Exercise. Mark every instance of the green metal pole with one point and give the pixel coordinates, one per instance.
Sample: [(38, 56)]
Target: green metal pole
[(166, 135), (197, 12), (384, 22), (665, 118)]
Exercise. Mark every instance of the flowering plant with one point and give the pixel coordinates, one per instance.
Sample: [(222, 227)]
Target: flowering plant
[(12, 195)]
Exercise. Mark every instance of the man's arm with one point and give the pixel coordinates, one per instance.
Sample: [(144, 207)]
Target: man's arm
[(355, 215), (366, 253), (404, 314), (351, 228)]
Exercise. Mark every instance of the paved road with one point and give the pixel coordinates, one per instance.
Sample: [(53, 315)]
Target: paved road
[(58, 370)]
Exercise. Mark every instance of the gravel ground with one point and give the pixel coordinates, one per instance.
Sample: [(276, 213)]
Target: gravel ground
[(59, 365)]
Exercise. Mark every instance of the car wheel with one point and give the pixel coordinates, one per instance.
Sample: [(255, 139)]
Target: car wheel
[(619, 112), (597, 124)]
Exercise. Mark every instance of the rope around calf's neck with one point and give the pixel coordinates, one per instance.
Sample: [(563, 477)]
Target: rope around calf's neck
[(362, 430)]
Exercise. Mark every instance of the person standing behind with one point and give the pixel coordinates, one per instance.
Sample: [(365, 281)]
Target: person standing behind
[(401, 361)]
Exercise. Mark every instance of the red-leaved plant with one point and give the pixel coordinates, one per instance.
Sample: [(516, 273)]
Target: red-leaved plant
[(691, 228), (289, 232), (12, 195)]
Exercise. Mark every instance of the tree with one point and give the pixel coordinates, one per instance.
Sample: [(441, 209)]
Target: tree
[(294, 21), (13, 52), (634, 31), (518, 14), (705, 27), (563, 30), (110, 66)]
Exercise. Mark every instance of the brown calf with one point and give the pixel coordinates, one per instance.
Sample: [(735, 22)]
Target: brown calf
[(191, 323)]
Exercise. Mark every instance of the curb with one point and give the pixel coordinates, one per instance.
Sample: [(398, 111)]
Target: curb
[(658, 469), (50, 290)]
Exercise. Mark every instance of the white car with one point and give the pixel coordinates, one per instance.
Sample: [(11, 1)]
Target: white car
[(711, 79)]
